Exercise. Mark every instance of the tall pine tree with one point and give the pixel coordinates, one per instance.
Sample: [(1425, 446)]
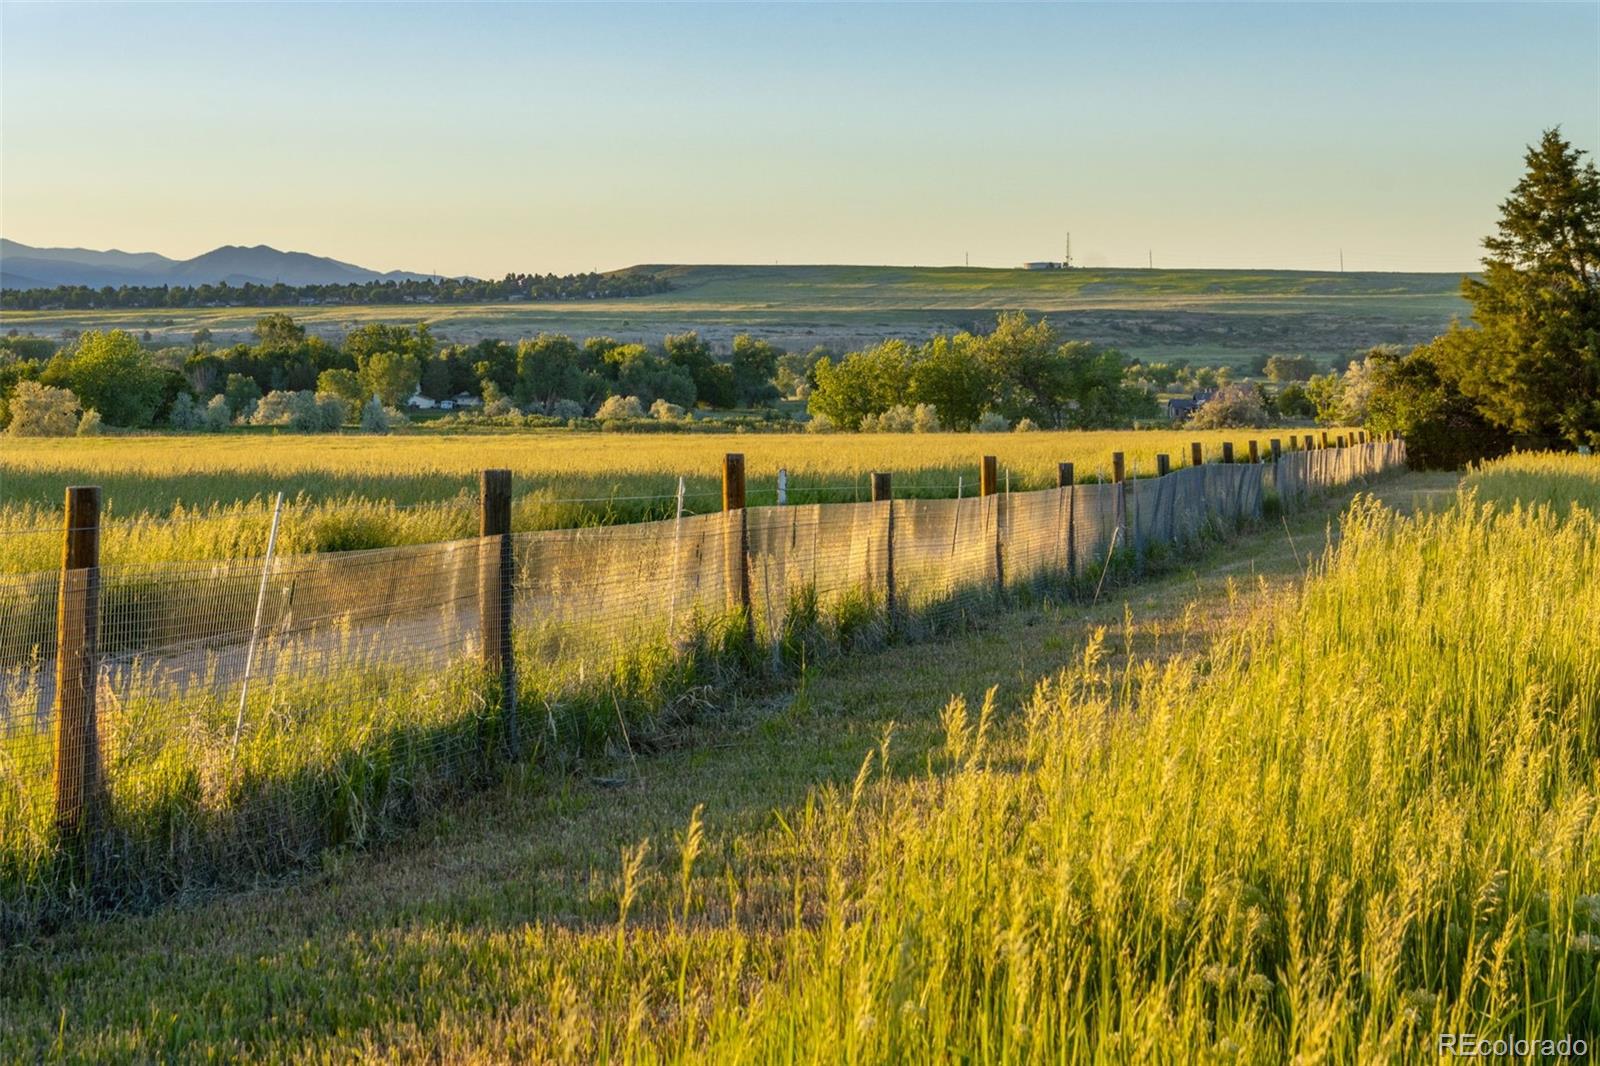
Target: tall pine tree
[(1535, 366)]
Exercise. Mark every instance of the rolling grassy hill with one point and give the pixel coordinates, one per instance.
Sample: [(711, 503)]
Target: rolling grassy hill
[(1208, 316)]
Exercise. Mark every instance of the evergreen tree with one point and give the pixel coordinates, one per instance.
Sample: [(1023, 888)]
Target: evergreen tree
[(1534, 366)]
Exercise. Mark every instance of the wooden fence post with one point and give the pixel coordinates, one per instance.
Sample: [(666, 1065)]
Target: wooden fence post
[(1119, 472), (77, 769), (1324, 438), (1255, 451), (1276, 447), (1227, 451), (736, 540), (988, 485), (1064, 480), (496, 589), (1163, 464), (883, 492), (1196, 456), (1341, 440)]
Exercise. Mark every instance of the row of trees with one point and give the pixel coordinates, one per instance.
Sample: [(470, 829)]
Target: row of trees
[(591, 286), (128, 384), (1020, 371)]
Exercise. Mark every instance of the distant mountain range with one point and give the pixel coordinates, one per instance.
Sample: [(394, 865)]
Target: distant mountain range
[(25, 267)]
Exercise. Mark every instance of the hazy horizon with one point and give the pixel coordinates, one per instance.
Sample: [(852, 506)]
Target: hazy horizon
[(486, 139)]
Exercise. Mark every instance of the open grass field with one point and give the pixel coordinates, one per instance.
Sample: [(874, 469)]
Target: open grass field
[(1207, 316), (1324, 794), (198, 497)]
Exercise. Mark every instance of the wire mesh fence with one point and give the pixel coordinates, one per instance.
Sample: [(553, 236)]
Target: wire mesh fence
[(215, 722)]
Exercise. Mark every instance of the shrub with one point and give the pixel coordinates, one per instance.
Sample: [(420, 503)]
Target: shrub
[(993, 422), (333, 411), (42, 411), (374, 419), (665, 412), (1293, 402), (564, 409), (304, 412), (925, 419), (185, 414), (1233, 407), (1026, 425), (91, 424), (499, 407), (897, 419), (820, 423), (217, 414), (620, 407)]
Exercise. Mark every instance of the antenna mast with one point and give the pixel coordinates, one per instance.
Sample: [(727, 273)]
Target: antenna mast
[(1066, 263)]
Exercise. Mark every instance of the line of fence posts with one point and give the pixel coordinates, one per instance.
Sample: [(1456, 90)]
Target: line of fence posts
[(79, 784)]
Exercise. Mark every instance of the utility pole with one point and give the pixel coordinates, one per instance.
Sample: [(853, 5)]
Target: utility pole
[(1066, 264), (1341, 260), (1150, 259)]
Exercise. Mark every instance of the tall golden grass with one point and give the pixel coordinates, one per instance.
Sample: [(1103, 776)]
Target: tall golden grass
[(1363, 820), (197, 497)]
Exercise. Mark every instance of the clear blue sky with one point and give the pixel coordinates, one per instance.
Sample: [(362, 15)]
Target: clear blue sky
[(480, 139)]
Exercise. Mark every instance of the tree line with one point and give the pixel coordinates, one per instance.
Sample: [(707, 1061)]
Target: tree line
[(127, 384), (590, 286)]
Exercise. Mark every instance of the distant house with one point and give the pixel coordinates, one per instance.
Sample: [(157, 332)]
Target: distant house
[(1043, 264), (1180, 409), (421, 402), (465, 399)]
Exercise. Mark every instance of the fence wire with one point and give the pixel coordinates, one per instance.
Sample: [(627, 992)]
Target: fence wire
[(368, 696)]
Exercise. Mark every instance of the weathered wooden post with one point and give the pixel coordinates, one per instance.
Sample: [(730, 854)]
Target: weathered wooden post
[(1227, 451), (883, 493), (496, 588), (736, 540), (1276, 447), (1255, 451), (988, 485), (1064, 480), (1118, 478), (78, 785), (1341, 440), (1163, 464), (1196, 455), (1324, 438)]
